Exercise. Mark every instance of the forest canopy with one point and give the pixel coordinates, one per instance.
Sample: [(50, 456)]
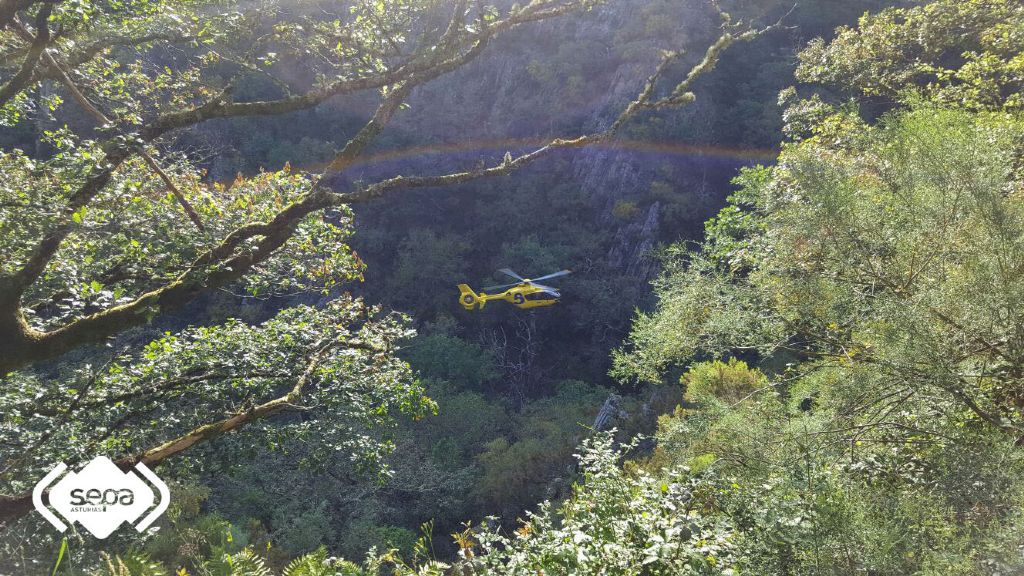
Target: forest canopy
[(826, 378), (95, 246)]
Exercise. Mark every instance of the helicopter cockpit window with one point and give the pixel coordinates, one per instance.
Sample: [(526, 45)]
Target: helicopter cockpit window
[(541, 296)]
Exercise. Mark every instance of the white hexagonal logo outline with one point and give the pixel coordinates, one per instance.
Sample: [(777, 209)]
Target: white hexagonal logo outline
[(100, 497)]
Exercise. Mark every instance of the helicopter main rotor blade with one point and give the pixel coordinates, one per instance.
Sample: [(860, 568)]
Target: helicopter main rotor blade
[(508, 272), (501, 286), (548, 289), (558, 274)]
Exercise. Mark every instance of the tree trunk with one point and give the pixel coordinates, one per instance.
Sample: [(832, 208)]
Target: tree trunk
[(16, 341)]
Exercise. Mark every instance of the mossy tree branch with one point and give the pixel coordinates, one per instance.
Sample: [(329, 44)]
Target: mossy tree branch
[(251, 244)]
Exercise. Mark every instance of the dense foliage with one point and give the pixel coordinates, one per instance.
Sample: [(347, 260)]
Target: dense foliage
[(829, 382), (965, 54), (874, 275), (150, 312)]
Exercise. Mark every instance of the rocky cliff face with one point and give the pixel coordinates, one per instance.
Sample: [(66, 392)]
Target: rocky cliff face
[(599, 211), (569, 76), (557, 78), (633, 242)]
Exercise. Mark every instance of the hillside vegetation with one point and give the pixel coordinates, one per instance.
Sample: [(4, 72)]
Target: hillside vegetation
[(228, 249)]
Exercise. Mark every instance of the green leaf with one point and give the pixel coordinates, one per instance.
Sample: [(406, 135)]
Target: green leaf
[(60, 555)]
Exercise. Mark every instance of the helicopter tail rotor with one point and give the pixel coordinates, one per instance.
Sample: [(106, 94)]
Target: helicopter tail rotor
[(468, 298)]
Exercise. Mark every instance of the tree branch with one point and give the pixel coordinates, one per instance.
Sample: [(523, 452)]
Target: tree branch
[(13, 507), (26, 74), (224, 264), (428, 66), (10, 8), (100, 117)]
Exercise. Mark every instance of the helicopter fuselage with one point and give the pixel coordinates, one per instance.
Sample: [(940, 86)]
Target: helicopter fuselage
[(522, 296)]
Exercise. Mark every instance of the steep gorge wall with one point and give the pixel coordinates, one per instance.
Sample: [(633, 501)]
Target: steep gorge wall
[(570, 76)]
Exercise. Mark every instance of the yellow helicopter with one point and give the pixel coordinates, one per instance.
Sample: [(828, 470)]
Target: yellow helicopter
[(524, 293)]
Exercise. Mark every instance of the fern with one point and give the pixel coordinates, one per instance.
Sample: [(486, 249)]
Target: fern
[(130, 564), (318, 564), (244, 563), (312, 564)]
